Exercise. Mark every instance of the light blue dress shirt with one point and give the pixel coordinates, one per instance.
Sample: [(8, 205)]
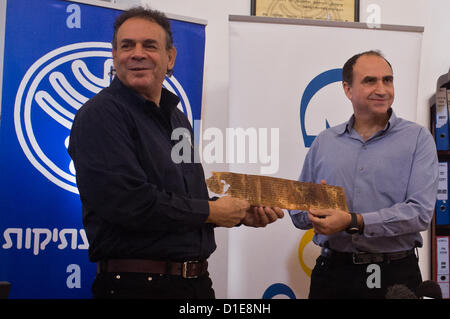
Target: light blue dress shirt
[(391, 180)]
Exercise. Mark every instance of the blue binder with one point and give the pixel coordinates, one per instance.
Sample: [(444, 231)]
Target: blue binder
[(441, 120), (442, 202)]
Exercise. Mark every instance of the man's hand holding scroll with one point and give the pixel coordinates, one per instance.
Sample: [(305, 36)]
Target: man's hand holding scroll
[(259, 216), (229, 211)]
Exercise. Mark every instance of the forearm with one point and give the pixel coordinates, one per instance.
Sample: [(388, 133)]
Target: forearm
[(400, 219)]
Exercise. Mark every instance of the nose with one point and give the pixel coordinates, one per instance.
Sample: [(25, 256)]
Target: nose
[(380, 88), (138, 52)]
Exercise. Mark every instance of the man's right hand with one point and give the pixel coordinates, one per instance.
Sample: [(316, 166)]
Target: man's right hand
[(227, 211)]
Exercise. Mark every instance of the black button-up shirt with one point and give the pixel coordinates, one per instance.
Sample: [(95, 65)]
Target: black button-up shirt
[(138, 203)]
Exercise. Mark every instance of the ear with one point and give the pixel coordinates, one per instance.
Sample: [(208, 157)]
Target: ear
[(114, 55), (172, 53), (347, 90)]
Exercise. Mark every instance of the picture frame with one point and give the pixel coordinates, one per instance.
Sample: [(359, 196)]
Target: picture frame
[(334, 10)]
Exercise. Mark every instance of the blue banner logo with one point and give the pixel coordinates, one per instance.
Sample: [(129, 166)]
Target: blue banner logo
[(52, 91), (49, 95), (316, 84), (278, 289)]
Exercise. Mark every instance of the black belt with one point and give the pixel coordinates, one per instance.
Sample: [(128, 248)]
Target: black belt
[(362, 258), (187, 269)]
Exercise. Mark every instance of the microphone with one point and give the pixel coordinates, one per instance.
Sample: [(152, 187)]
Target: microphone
[(429, 289)]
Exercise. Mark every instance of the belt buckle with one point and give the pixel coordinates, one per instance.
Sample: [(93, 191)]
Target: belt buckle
[(185, 269)]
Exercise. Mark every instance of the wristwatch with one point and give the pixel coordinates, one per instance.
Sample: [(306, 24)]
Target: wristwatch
[(353, 228)]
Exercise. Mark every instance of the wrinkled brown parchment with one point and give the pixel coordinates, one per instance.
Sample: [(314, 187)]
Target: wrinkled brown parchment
[(277, 192)]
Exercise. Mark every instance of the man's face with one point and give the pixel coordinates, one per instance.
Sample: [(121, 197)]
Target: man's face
[(141, 59), (372, 91)]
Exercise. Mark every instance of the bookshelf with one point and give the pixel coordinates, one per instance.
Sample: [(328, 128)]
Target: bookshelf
[(440, 229)]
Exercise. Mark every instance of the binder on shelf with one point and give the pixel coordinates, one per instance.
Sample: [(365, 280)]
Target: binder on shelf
[(441, 120), (442, 265), (442, 201)]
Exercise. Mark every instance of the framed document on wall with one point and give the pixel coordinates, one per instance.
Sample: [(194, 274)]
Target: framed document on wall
[(335, 10)]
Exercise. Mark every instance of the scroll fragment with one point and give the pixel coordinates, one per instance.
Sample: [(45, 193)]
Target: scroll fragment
[(277, 192)]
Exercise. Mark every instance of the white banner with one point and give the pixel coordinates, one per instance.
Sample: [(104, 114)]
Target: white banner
[(285, 80)]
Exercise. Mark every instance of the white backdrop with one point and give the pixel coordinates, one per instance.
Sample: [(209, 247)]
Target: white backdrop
[(272, 61)]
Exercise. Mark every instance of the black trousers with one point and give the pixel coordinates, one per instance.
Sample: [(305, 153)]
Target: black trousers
[(335, 279), (151, 286)]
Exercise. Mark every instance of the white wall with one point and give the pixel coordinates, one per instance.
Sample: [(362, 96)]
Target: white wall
[(432, 14), (435, 53), (403, 12)]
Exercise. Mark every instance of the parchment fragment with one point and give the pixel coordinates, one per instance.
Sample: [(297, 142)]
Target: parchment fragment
[(277, 192)]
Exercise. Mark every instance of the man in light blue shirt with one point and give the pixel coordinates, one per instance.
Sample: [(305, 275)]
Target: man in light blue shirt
[(388, 167)]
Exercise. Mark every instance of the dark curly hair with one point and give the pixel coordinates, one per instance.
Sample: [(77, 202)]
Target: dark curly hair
[(148, 14)]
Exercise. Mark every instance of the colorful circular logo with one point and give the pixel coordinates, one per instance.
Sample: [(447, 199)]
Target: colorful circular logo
[(316, 84), (306, 239)]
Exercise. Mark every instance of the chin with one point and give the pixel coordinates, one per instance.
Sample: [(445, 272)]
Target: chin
[(381, 108), (139, 84), (139, 81)]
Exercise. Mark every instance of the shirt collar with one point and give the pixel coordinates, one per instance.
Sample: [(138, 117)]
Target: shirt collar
[(168, 99), (348, 126)]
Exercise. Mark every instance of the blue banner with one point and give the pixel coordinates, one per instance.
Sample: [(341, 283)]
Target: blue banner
[(57, 56)]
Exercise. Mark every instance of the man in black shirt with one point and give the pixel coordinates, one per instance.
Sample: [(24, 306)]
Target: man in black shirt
[(148, 218)]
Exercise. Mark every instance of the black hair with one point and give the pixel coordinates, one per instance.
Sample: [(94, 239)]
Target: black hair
[(148, 14), (347, 70)]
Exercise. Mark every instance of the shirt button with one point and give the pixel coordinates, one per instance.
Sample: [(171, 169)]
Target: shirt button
[(361, 169)]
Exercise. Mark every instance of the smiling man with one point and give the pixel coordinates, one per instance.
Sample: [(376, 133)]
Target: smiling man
[(149, 220), (388, 168), (143, 53)]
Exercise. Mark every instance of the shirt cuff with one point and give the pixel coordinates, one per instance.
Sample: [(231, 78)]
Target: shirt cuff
[(300, 219), (200, 209), (373, 225)]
